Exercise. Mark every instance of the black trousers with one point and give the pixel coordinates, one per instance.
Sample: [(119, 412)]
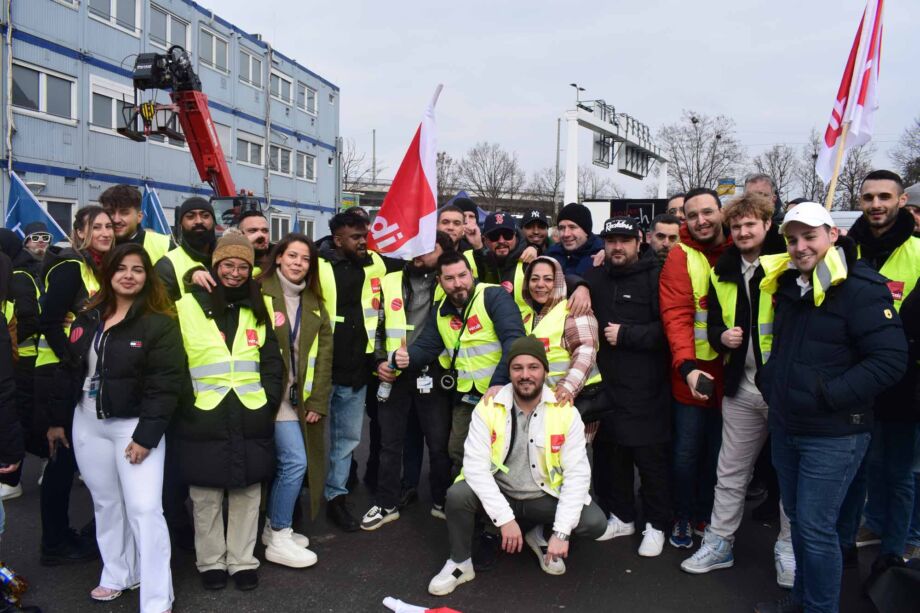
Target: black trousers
[(175, 490), (614, 481), (55, 495), (433, 410)]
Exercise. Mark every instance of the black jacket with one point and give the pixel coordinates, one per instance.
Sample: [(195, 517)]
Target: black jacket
[(26, 277), (11, 446), (577, 262), (636, 371), (141, 367), (491, 270), (829, 363), (231, 446)]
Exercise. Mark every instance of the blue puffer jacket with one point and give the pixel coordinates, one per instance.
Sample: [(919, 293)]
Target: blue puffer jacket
[(830, 362), (577, 262)]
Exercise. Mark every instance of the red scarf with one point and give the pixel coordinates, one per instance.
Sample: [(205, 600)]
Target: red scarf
[(96, 257)]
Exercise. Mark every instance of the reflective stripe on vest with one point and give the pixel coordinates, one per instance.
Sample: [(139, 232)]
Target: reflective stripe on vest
[(312, 352), (550, 331), (155, 244), (698, 269), (45, 355), (182, 263), (213, 368), (28, 348), (901, 268), (480, 348), (394, 311), (830, 271), (370, 294)]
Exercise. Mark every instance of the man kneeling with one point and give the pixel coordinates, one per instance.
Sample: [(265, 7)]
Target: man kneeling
[(524, 457)]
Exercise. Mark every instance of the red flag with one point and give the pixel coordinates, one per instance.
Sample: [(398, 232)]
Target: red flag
[(406, 223), (857, 96)]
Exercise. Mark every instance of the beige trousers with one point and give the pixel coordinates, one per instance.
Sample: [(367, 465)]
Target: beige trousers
[(233, 552)]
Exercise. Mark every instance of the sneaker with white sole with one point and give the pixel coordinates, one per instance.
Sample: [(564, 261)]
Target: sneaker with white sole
[(283, 550), (866, 537), (713, 554), (784, 559), (299, 539), (451, 575), (437, 510), (8, 492), (652, 542), (377, 516), (616, 528), (538, 544)]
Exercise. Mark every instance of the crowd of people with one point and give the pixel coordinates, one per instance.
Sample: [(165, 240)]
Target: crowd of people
[(722, 353)]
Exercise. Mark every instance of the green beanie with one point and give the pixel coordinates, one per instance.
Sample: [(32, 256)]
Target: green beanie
[(529, 345)]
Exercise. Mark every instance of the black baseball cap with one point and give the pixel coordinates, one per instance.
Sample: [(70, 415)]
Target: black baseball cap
[(621, 226), (498, 221), (534, 216)]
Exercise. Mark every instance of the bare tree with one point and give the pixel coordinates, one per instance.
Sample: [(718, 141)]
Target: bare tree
[(491, 172), (547, 186), (447, 170), (857, 165), (355, 169), (780, 163), (907, 154), (593, 186), (810, 184), (701, 150)]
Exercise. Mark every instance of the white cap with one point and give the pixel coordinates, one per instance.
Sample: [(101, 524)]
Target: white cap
[(809, 213)]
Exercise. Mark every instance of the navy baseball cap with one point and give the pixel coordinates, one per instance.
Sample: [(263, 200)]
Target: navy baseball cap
[(534, 216), (498, 221)]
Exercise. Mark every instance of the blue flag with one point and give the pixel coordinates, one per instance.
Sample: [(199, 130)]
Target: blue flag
[(24, 209), (296, 226), (154, 217)]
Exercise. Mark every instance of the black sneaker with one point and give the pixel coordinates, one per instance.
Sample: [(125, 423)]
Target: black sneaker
[(408, 495), (72, 550), (783, 605), (339, 512), (485, 557), (215, 579), (377, 516), (246, 580)]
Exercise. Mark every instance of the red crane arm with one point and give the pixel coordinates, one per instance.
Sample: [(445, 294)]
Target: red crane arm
[(201, 136)]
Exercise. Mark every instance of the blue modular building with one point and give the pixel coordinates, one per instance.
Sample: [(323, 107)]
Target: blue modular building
[(66, 77)]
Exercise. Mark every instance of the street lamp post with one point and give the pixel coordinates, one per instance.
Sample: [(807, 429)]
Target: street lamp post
[(578, 90)]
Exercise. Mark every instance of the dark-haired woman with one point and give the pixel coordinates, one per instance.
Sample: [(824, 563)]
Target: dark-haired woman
[(124, 372), (225, 428), (71, 279), (305, 336)]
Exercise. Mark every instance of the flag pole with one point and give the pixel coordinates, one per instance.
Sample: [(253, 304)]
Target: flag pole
[(832, 186)]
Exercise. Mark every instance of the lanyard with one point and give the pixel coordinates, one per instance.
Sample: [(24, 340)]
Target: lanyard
[(98, 345), (292, 335)]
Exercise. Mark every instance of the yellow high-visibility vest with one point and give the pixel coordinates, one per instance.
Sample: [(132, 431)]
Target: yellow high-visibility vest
[(901, 268), (830, 271), (698, 268), (182, 263), (155, 244), (550, 331), (45, 355), (480, 349), (516, 289), (370, 294)]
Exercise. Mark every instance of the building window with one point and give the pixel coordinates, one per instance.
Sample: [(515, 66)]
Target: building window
[(306, 98), (248, 149), (225, 137), (212, 49), (44, 92), (60, 211), (306, 166), (281, 87), (279, 160), (110, 104), (250, 69), (166, 29), (307, 227), (119, 13), (281, 227)]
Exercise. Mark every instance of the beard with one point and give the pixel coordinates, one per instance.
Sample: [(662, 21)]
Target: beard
[(532, 394), (199, 238)]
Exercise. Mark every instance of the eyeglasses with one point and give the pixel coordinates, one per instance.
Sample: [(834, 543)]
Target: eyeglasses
[(504, 234), (39, 237), (242, 269)]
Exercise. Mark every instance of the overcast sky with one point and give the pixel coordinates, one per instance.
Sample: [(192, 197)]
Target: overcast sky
[(772, 65)]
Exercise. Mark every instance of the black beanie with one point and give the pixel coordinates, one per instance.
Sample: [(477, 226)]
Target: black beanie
[(195, 203), (528, 345), (578, 214), (466, 205)]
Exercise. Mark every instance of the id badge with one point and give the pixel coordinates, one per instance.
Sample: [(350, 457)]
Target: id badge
[(94, 384), (470, 399), (424, 384), (292, 393)]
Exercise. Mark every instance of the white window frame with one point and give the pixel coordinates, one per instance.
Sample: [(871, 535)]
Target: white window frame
[(110, 89), (254, 140), (228, 150), (291, 160), (71, 4), (306, 108), (112, 20), (43, 200), (303, 226), (169, 22), (253, 56), (283, 77), (214, 36), (277, 236), (307, 158), (42, 112)]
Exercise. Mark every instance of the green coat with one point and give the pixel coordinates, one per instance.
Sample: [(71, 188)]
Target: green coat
[(314, 321)]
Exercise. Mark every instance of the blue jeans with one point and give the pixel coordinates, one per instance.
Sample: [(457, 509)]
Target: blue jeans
[(346, 418), (289, 471), (886, 475), (814, 474), (697, 440)]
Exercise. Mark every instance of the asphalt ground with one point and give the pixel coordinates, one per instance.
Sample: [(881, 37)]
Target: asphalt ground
[(356, 571)]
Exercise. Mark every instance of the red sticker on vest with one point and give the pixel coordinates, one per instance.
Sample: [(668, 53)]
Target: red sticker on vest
[(396, 304), (704, 302), (494, 436), (252, 338), (375, 303), (555, 442), (509, 286), (897, 289), (279, 319), (456, 324), (75, 334), (473, 324), (375, 285), (527, 317), (545, 342)]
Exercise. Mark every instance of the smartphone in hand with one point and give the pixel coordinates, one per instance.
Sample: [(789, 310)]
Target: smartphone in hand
[(705, 386)]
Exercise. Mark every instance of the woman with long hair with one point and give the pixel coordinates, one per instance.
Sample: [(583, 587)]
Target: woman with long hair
[(305, 336), (125, 370)]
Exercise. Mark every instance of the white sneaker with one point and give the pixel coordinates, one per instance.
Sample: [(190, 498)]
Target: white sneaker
[(377, 516), (8, 492), (616, 528), (652, 542), (784, 559), (283, 550), (299, 539), (537, 543), (437, 510), (452, 575)]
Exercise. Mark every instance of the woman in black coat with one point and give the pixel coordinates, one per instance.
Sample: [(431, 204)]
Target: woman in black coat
[(123, 376)]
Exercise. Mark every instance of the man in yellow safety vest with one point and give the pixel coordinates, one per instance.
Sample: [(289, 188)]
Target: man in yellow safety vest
[(123, 204)]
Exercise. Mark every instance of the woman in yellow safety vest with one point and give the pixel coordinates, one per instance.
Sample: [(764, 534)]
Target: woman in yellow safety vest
[(304, 334)]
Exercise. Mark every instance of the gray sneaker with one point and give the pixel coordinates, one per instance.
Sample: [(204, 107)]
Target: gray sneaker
[(713, 554)]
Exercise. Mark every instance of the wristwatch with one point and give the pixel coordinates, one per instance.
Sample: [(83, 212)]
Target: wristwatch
[(562, 536)]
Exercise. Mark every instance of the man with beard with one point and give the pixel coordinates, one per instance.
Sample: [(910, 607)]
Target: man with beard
[(524, 459), (196, 242), (696, 369), (500, 262), (675, 206), (884, 236), (37, 238), (536, 230), (663, 234), (254, 227), (123, 204)]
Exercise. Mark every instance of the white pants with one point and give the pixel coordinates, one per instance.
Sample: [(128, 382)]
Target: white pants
[(127, 499), (744, 430)]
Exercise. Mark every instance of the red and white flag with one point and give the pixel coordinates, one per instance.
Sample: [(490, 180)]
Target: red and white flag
[(406, 224), (857, 97)]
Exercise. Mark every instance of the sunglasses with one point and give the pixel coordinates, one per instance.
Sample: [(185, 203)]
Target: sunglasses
[(505, 235), (39, 237)]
